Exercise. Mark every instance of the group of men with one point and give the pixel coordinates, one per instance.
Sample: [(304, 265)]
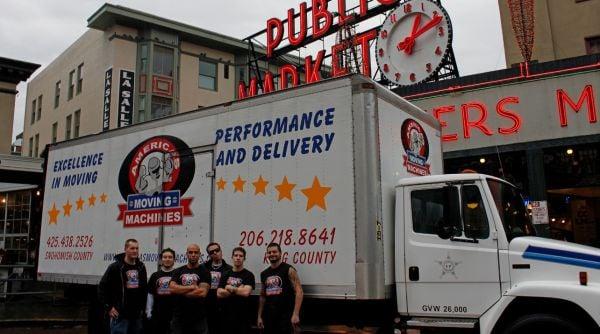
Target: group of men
[(211, 297)]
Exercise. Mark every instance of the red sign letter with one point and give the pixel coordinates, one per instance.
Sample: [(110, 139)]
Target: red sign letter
[(285, 71), (292, 25), (243, 93), (479, 124), (273, 42), (364, 40), (509, 114), (313, 72), (436, 113), (587, 95), (343, 18), (268, 85), (336, 70), (319, 12)]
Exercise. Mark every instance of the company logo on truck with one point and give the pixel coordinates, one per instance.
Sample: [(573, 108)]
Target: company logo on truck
[(153, 178), (416, 146)]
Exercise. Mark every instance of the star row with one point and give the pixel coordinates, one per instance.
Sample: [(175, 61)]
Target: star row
[(79, 206), (315, 194)]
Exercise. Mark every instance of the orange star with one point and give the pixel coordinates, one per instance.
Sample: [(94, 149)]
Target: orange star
[(238, 184), (92, 200), (67, 209), (260, 186), (80, 203), (221, 184), (53, 215), (103, 198), (316, 195), (285, 189)]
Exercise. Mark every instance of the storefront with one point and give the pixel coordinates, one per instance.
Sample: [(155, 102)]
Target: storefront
[(20, 208), (535, 126)]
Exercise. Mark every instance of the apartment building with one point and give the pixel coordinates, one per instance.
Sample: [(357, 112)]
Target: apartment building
[(130, 67)]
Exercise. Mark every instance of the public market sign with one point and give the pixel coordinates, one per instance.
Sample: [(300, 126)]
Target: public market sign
[(410, 45)]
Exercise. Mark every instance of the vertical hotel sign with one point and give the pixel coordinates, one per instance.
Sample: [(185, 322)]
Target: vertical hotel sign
[(107, 95), (126, 81)]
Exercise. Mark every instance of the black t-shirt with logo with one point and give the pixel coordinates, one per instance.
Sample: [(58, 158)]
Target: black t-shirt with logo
[(185, 276), (215, 279), (236, 308), (134, 293), (158, 286), (278, 290)]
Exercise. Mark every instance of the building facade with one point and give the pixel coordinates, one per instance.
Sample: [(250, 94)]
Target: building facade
[(563, 29), (20, 183), (535, 126), (131, 67), (11, 73)]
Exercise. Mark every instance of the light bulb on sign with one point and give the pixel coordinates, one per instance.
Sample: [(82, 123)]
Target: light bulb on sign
[(570, 151), (482, 160)]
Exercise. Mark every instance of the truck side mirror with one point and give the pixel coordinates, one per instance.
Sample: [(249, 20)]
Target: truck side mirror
[(447, 226), (444, 230)]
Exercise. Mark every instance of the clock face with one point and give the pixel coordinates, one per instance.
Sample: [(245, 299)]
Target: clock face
[(413, 41)]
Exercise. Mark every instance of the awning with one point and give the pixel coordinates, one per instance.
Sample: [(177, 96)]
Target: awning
[(6, 187)]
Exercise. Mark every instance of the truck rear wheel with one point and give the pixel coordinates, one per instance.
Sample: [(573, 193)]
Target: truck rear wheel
[(542, 323)]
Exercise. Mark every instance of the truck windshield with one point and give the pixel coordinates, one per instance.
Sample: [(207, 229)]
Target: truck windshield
[(511, 208)]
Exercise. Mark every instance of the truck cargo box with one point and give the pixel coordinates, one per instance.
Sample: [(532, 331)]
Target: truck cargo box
[(312, 168)]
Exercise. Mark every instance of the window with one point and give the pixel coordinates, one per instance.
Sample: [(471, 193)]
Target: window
[(68, 128), (208, 75), (428, 207), (511, 208), (14, 223), (39, 107), (161, 107), (76, 124), (33, 107), (30, 147), (431, 207), (71, 84), (592, 45), (36, 146), (54, 132), (142, 109), (79, 78), (57, 94), (144, 58), (226, 71), (473, 213), (163, 61)]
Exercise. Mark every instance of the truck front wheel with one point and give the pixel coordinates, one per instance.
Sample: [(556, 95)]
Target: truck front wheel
[(542, 323)]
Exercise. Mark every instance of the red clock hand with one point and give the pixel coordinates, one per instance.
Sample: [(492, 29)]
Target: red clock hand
[(408, 43), (434, 22)]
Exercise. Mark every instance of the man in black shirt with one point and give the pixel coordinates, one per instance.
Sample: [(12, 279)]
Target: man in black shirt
[(159, 307), (217, 266), (190, 283), (234, 290), (281, 295), (122, 290)]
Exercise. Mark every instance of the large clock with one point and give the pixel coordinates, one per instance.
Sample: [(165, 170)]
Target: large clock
[(412, 42)]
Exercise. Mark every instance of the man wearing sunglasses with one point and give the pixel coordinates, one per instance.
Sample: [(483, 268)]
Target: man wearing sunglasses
[(216, 266)]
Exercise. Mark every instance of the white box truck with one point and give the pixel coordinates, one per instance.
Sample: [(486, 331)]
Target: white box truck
[(347, 177)]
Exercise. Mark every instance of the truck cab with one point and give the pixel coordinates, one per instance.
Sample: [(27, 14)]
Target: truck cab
[(467, 256)]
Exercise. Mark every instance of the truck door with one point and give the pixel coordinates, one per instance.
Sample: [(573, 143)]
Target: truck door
[(197, 211), (452, 275)]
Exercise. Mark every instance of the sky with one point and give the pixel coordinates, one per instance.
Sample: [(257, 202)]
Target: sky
[(39, 30)]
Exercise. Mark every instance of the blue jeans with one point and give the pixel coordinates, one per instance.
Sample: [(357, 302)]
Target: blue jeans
[(125, 326)]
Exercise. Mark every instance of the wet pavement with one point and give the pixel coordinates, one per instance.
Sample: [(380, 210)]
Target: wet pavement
[(48, 312)]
